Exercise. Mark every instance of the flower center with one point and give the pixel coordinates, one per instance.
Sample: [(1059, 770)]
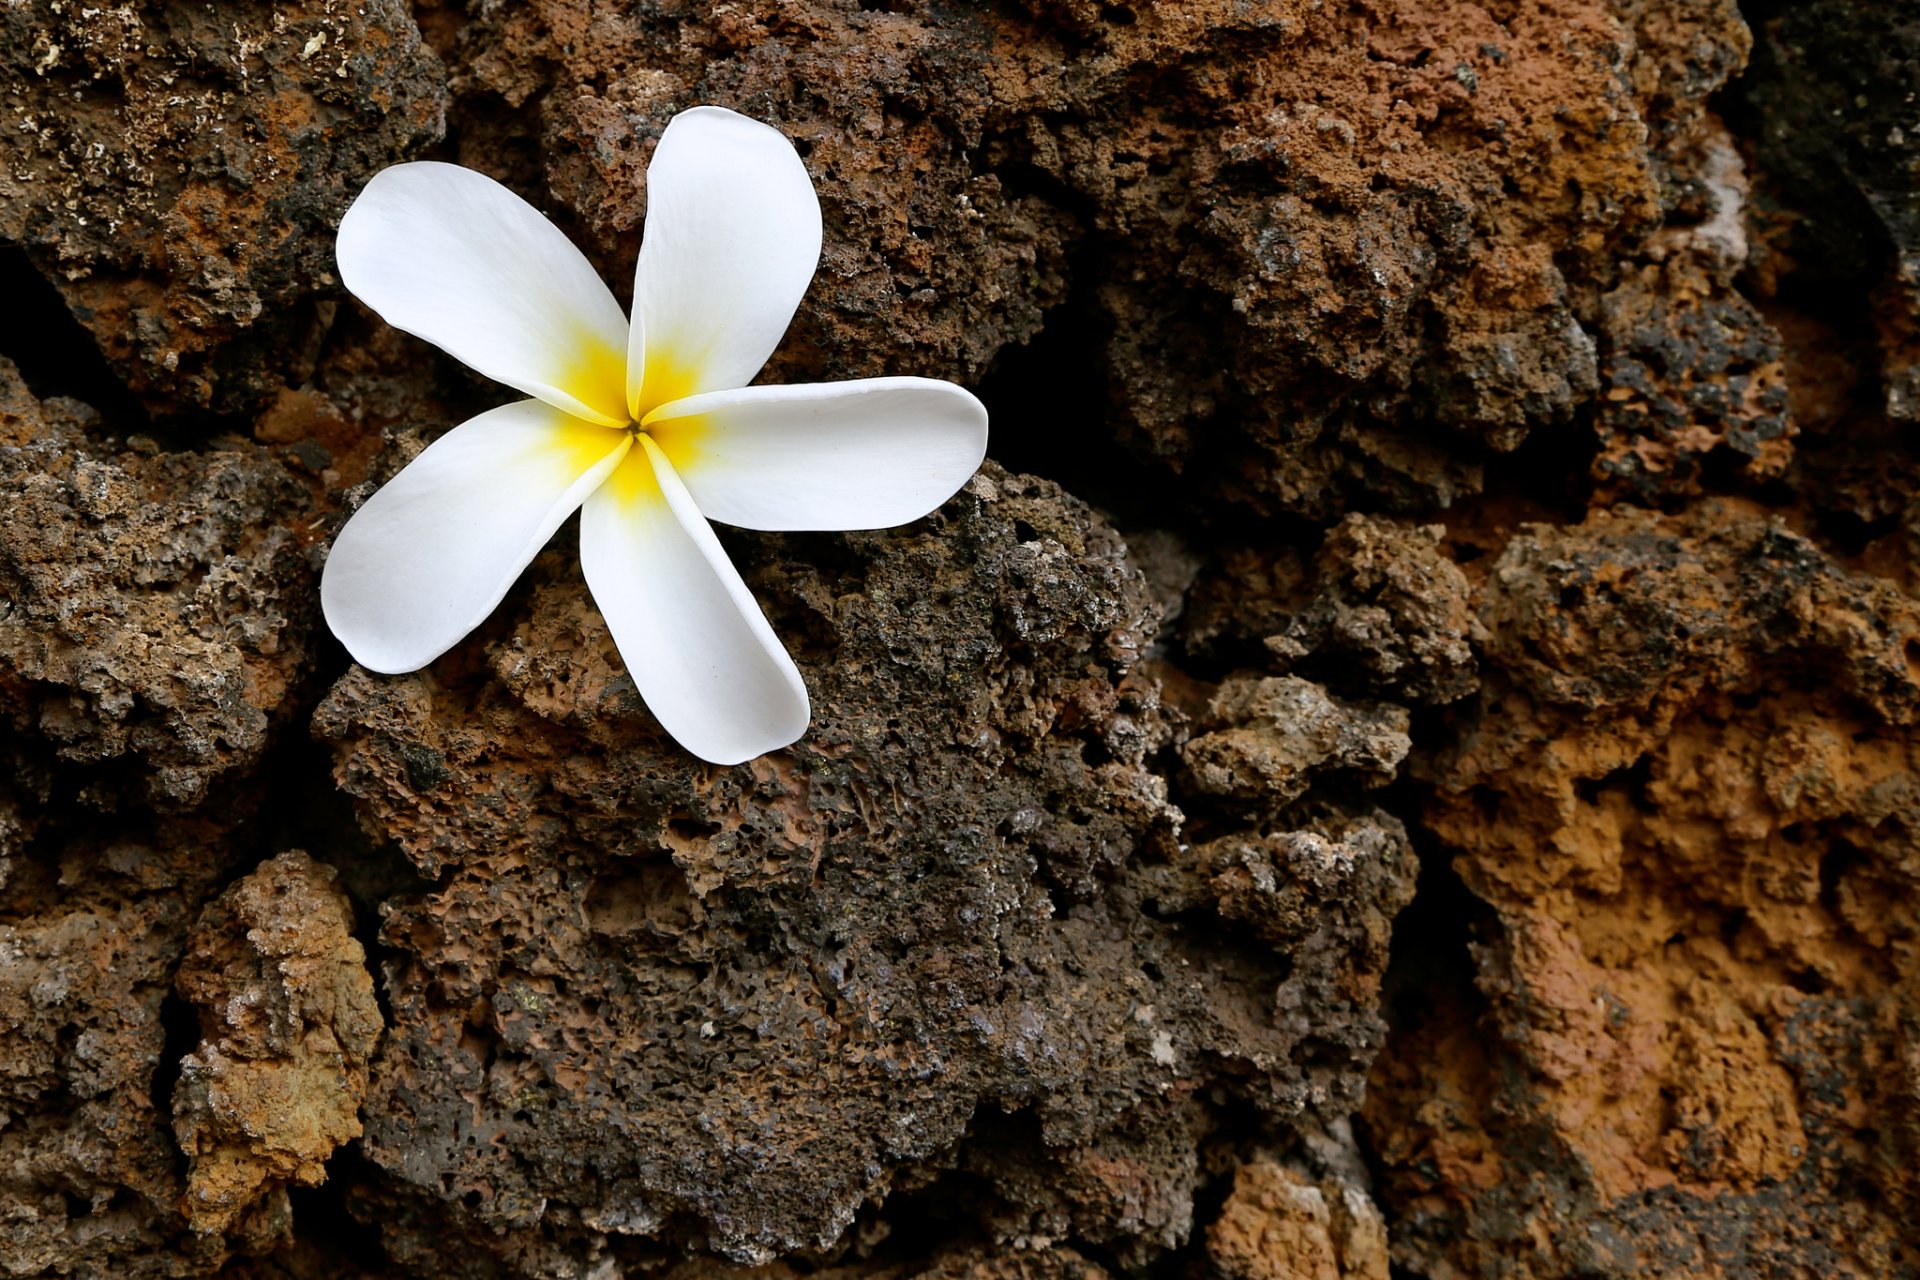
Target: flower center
[(664, 380)]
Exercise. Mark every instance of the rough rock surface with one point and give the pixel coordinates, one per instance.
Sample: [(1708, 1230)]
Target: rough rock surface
[(158, 603), (1279, 1225), (1695, 816), (739, 1006), (288, 1023), (1450, 811), (177, 169)]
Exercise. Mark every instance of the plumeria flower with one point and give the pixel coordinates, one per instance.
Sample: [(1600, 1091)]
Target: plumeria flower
[(647, 428)]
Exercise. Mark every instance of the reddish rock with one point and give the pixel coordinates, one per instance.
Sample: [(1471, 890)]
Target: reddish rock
[(177, 171), (1064, 943), (1688, 797), (288, 1023)]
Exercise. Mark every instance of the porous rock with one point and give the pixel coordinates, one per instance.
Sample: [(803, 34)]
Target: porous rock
[(177, 170), (1688, 798), (740, 1005), (1378, 609), (1385, 304), (155, 631), (288, 1023), (1272, 734), (1357, 216), (1279, 1224), (158, 604)]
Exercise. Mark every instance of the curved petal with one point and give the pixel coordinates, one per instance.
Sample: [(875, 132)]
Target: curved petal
[(429, 556), (699, 649), (833, 455), (731, 241), (452, 256)]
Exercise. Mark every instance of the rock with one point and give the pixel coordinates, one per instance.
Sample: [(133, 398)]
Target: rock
[(1688, 796), (1694, 373), (1280, 1225), (1841, 154), (159, 604), (177, 171), (1381, 610), (153, 642), (736, 1006), (89, 1171), (288, 1023), (1277, 732), (1330, 260), (1504, 415)]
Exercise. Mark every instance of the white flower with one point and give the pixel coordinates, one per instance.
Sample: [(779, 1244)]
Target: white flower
[(647, 429)]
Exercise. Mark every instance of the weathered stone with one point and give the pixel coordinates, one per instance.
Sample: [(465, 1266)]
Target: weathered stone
[(158, 604), (1274, 734), (177, 169), (743, 1003), (1840, 151), (1058, 948), (288, 1023), (1379, 609), (1280, 1225), (1689, 796)]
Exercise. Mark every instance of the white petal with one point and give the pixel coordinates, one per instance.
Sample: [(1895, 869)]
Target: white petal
[(429, 556), (731, 241), (829, 455), (698, 647), (452, 256)]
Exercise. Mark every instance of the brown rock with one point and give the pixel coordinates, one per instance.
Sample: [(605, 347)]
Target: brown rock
[(1351, 218), (1058, 949), (740, 1004), (1276, 732), (1380, 607), (1688, 795), (159, 604), (177, 170), (87, 1164), (158, 610), (288, 1023), (1280, 1225)]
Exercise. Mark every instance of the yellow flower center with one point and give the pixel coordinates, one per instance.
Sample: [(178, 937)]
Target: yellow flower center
[(664, 380)]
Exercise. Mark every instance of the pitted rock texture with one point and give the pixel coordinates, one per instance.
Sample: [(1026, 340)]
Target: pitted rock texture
[(288, 1023), (1691, 799), (1379, 609), (154, 640), (738, 1006), (158, 604), (1280, 1225), (1505, 412), (177, 169), (1298, 228), (88, 1165)]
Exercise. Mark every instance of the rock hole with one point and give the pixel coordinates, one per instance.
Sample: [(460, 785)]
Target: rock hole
[(1839, 862), (340, 1243), (692, 829), (54, 352), (180, 1026), (1808, 982)]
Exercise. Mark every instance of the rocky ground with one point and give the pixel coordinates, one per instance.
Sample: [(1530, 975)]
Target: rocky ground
[(1405, 762)]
